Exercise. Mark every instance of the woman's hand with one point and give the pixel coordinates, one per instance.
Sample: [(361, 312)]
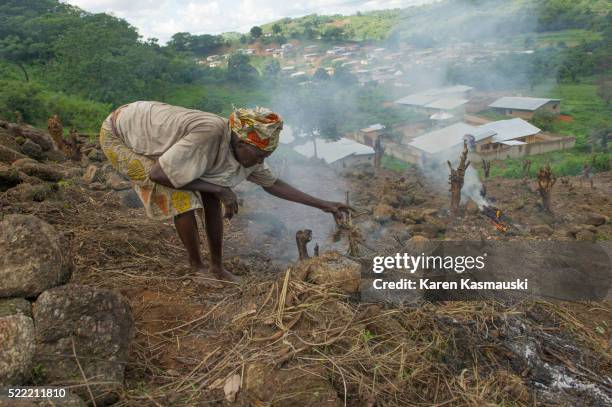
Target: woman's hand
[(229, 200), (338, 209)]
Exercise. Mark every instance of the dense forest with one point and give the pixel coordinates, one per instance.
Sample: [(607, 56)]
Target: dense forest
[(57, 58)]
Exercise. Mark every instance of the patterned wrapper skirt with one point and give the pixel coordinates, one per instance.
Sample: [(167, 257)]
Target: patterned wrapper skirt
[(160, 202)]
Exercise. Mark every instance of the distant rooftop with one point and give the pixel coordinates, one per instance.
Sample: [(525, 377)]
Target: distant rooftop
[(448, 137), (447, 90), (503, 131), (511, 129), (437, 98), (441, 116), (373, 127), (521, 103), (446, 103), (332, 151)]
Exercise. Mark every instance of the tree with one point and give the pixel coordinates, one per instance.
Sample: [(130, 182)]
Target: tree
[(272, 69), (604, 88), (320, 75), (210, 104), (18, 51), (333, 34), (238, 68), (599, 137), (256, 32), (276, 29), (544, 120)]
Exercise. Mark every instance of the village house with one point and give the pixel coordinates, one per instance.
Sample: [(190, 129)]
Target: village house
[(370, 134), (338, 154), (310, 57), (525, 107), (287, 69), (516, 138), (497, 140)]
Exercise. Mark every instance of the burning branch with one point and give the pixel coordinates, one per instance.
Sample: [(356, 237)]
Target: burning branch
[(499, 220), (456, 178), (546, 180), (486, 166)]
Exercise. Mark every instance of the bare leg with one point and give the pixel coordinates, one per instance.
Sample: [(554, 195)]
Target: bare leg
[(213, 220), (187, 229)]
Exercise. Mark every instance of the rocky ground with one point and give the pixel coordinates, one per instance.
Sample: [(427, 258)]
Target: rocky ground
[(295, 333)]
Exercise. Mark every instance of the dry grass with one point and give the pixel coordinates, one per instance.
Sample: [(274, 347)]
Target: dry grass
[(190, 338)]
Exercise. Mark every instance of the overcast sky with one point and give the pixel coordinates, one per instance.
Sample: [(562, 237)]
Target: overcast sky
[(162, 18)]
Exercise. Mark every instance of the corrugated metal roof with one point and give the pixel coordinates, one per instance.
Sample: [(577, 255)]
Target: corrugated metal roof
[(415, 99), (332, 151), (435, 96), (447, 103), (447, 137), (441, 116), (446, 90), (521, 103), (511, 129), (373, 127), (513, 143)]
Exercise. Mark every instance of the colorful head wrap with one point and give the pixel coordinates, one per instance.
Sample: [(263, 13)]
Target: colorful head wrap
[(259, 127)]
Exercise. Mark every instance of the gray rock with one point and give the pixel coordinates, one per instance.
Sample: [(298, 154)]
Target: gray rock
[(596, 219), (31, 149), (46, 172), (35, 257), (8, 141), (56, 156), (9, 177), (12, 306), (130, 199), (16, 349), (96, 155), (38, 136), (585, 236), (542, 230), (33, 192), (100, 325), (8, 155)]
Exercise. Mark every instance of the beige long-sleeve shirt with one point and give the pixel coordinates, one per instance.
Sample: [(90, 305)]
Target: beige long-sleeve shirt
[(189, 144)]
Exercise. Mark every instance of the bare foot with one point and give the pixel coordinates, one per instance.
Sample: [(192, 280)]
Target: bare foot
[(222, 274), (206, 278)]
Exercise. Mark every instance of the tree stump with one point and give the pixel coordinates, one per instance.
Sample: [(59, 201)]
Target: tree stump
[(379, 151), (456, 178), (586, 173), (56, 130), (302, 238), (546, 180), (486, 166), (526, 168)]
